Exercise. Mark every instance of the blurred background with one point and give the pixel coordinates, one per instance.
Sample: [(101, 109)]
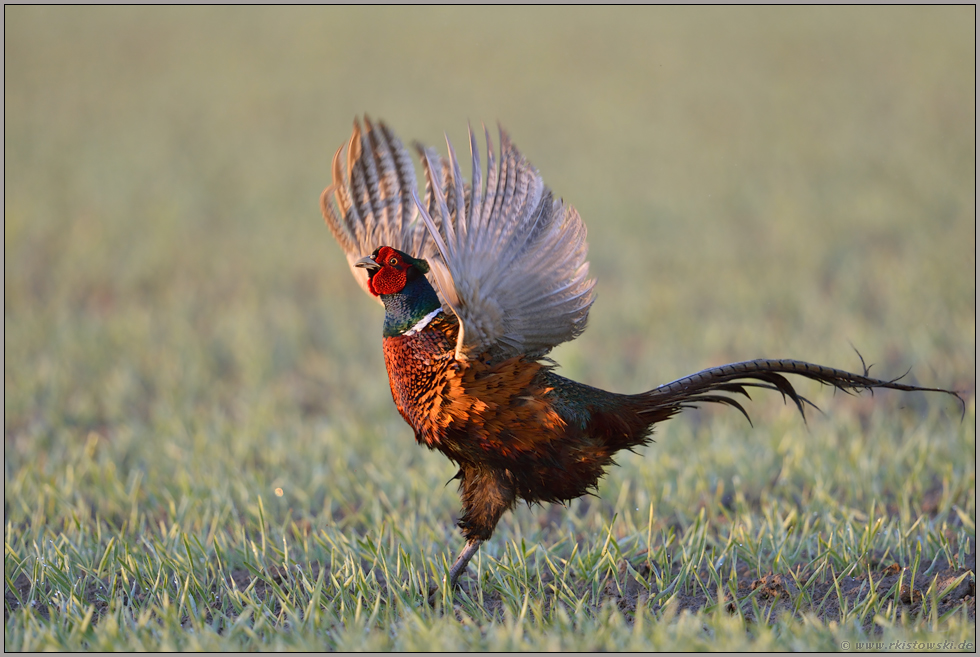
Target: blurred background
[(768, 181)]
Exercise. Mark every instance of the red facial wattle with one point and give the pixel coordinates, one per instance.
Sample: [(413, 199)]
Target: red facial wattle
[(393, 275)]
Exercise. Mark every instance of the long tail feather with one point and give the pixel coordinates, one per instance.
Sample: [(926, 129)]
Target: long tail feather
[(687, 392)]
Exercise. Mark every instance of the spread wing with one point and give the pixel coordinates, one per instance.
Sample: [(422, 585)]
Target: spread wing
[(515, 254), (507, 258), (370, 203)]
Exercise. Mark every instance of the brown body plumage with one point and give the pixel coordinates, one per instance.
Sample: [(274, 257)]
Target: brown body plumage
[(464, 357), (516, 429)]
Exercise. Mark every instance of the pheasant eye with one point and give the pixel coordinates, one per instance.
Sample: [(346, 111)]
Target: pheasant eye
[(393, 261)]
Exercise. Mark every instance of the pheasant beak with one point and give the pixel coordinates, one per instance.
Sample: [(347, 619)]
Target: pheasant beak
[(368, 263)]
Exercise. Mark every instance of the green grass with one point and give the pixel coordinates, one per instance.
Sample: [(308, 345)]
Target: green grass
[(200, 449)]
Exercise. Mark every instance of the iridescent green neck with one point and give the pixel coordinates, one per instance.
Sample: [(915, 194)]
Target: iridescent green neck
[(405, 310)]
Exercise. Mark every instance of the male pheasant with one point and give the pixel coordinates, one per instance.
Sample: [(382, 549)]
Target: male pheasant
[(476, 294)]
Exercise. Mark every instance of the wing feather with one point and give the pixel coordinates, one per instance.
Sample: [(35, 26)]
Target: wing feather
[(506, 257), (459, 194), (435, 174), (517, 259), (386, 173), (370, 203), (476, 180), (490, 198)]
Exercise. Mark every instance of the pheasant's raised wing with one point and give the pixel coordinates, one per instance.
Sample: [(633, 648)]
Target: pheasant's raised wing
[(508, 259), (370, 203), (515, 254)]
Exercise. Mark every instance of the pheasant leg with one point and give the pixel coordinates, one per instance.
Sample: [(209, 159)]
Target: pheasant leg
[(462, 560)]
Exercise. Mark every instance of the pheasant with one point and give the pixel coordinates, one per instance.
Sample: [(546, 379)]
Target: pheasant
[(476, 294)]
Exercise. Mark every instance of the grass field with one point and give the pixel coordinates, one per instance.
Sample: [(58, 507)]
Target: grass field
[(200, 448)]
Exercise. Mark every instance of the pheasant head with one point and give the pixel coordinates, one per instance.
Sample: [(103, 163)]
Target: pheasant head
[(399, 281)]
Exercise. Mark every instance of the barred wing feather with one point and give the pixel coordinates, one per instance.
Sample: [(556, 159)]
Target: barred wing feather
[(516, 255), (507, 258), (369, 202)]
